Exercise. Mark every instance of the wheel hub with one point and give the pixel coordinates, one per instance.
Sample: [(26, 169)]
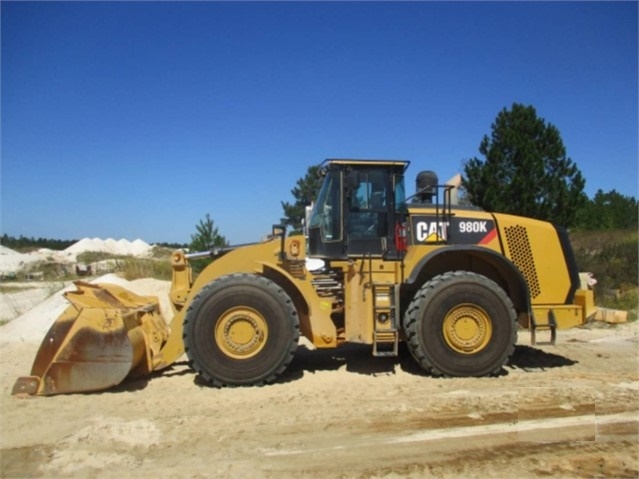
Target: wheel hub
[(241, 333), (467, 328)]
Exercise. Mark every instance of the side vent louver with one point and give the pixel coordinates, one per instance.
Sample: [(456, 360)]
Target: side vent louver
[(521, 255)]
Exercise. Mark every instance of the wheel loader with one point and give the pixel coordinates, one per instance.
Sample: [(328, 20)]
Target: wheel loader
[(375, 266)]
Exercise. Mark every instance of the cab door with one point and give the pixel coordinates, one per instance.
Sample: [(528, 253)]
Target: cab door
[(369, 205)]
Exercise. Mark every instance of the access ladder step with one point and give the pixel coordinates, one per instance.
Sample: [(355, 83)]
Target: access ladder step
[(551, 326), (385, 343)]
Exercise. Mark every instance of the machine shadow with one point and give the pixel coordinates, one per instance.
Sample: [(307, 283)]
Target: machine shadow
[(179, 368), (528, 358), (357, 359)]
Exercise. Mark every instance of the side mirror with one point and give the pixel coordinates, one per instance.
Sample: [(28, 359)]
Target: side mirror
[(279, 230)]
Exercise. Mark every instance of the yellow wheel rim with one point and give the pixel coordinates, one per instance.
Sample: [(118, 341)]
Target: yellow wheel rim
[(467, 328), (241, 332)]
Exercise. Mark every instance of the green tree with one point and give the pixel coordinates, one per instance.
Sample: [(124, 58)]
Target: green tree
[(609, 211), (206, 236), (305, 192), (525, 170)]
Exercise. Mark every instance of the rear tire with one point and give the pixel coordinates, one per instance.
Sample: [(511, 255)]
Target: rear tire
[(240, 330), (461, 324)]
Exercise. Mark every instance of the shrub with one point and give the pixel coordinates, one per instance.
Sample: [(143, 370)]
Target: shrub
[(136, 268), (613, 258), (625, 301)]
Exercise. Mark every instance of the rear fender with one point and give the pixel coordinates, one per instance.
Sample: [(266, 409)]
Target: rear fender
[(478, 260)]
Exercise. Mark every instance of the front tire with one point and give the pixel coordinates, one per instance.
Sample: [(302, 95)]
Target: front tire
[(241, 330), (461, 324)]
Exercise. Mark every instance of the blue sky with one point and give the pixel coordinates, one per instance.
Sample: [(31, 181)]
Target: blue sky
[(135, 120)]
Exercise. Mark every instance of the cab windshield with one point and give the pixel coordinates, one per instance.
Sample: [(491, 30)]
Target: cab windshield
[(327, 212)]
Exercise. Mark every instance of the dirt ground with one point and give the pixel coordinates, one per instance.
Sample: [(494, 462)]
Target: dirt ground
[(569, 410)]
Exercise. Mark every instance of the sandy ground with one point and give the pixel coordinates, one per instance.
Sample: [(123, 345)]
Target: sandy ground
[(569, 410)]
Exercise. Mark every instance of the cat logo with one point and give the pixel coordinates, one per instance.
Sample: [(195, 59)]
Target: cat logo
[(431, 231)]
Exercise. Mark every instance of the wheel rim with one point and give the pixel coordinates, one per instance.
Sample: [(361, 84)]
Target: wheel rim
[(467, 328), (241, 333)]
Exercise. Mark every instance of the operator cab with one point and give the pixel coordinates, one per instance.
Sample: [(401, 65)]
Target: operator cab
[(360, 210)]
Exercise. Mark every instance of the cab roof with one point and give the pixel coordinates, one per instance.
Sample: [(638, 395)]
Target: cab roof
[(362, 162)]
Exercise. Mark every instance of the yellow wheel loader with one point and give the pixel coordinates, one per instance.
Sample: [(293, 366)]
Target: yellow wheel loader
[(374, 267)]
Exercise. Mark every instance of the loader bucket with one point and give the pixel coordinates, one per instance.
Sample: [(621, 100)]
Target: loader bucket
[(105, 335)]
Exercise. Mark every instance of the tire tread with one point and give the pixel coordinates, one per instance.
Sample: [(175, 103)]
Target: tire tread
[(412, 315), (223, 282)]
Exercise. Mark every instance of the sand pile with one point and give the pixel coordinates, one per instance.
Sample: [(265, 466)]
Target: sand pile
[(22, 297), (121, 247), (12, 261), (33, 325)]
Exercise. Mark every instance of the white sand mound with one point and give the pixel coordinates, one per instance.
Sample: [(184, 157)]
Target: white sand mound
[(12, 260), (121, 247), (26, 297), (33, 325), (7, 251)]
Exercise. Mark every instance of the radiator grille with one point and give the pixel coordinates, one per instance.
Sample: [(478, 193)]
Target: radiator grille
[(521, 254)]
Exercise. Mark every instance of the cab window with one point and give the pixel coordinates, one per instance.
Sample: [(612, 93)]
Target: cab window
[(368, 205), (327, 212)]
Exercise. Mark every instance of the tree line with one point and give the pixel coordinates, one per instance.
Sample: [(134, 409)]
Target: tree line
[(24, 243)]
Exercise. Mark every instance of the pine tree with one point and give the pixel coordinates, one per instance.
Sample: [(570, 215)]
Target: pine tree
[(206, 235), (205, 238), (525, 171)]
